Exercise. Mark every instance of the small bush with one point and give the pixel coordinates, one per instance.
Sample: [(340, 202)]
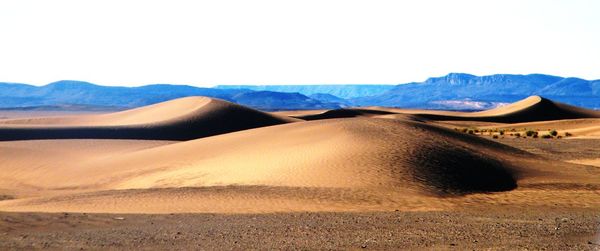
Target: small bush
[(495, 136), (568, 134), (531, 133), (535, 136), (501, 132), (517, 135), (547, 136), (553, 133), (464, 130), (470, 131), (559, 137)]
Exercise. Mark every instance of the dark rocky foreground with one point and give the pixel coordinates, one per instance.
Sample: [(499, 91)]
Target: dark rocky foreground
[(534, 228)]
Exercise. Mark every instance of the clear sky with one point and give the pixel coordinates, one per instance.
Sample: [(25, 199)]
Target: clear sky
[(205, 43)]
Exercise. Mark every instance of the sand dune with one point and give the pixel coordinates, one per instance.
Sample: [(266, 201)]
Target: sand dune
[(374, 163), (179, 119), (329, 153), (534, 108), (368, 160)]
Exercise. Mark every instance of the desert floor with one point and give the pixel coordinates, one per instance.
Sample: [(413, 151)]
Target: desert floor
[(489, 228), (199, 173)]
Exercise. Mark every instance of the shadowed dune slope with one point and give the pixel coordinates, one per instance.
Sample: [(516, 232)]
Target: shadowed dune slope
[(343, 113), (179, 119)]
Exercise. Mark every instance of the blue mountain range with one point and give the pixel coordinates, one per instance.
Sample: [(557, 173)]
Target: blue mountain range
[(455, 91)]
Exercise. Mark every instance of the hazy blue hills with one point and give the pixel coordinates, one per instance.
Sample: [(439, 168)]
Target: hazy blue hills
[(326, 97), (83, 93), (449, 91), (455, 91), (86, 94), (342, 91), (267, 100)]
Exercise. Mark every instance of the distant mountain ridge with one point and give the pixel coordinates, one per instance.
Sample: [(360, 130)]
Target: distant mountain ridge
[(69, 92), (493, 89), (341, 91), (455, 91)]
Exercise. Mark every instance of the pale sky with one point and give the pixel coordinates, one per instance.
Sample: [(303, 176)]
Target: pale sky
[(205, 43)]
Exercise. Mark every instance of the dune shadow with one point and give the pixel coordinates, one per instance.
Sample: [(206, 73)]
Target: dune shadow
[(343, 113), (459, 171)]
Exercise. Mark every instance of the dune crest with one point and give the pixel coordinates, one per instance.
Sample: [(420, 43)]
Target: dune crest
[(179, 119)]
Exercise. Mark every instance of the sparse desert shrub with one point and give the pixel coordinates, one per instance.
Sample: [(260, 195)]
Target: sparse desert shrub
[(517, 135), (568, 134), (535, 136), (470, 131), (501, 132), (464, 130), (530, 133), (513, 130), (547, 136), (495, 136), (553, 133), (559, 137)]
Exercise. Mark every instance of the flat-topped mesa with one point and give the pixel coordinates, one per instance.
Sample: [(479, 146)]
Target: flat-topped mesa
[(178, 119)]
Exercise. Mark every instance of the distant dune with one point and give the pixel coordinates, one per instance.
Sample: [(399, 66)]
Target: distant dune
[(531, 109), (534, 108), (179, 119)]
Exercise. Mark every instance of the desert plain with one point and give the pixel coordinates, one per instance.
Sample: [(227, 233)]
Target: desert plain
[(203, 173)]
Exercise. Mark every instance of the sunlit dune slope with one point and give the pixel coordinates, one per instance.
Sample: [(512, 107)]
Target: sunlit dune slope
[(179, 119)]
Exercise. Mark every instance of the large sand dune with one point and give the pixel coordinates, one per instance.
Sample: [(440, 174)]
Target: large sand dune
[(376, 161), (331, 153), (338, 164), (179, 119)]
